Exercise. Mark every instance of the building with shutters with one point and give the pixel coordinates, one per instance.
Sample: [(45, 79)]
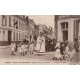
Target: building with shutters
[(34, 29), (67, 27), (13, 28)]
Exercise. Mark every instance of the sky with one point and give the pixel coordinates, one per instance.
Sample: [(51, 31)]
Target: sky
[(43, 19)]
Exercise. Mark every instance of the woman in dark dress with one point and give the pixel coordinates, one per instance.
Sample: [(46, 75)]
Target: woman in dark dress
[(62, 48), (76, 47), (54, 44)]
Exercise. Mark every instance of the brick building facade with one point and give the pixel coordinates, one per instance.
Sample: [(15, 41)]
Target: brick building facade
[(13, 28)]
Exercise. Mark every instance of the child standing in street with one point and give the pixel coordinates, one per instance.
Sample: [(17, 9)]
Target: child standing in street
[(26, 48), (13, 47), (67, 51), (19, 49), (57, 55), (76, 51), (31, 47), (62, 50), (23, 49)]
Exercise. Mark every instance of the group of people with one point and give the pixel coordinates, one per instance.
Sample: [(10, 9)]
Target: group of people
[(60, 50), (63, 51), (22, 48), (50, 44), (34, 46)]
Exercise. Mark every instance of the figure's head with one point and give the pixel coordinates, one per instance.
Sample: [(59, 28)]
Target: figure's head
[(41, 33), (62, 44), (76, 39)]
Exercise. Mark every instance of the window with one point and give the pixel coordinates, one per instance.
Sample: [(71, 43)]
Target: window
[(19, 25), (3, 35), (10, 21), (14, 36), (64, 25), (19, 36), (14, 23), (4, 20)]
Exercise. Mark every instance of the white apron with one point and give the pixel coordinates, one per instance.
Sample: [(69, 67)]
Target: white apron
[(57, 54)]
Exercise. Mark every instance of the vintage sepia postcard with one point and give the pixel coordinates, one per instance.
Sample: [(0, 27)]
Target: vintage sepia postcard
[(39, 39)]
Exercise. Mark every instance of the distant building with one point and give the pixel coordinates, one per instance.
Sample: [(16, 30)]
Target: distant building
[(67, 27), (41, 28), (13, 28), (34, 29), (47, 31)]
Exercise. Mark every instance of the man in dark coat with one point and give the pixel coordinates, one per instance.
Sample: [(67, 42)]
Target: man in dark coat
[(62, 48), (76, 47), (50, 45), (53, 44), (47, 45)]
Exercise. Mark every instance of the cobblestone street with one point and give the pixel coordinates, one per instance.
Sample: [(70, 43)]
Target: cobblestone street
[(47, 58)]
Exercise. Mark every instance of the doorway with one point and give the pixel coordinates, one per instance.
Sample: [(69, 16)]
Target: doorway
[(9, 37), (65, 35)]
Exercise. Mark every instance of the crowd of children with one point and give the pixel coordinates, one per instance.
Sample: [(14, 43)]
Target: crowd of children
[(22, 48), (62, 51)]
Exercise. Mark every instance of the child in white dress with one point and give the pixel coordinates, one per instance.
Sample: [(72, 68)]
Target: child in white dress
[(26, 48), (19, 49), (23, 49), (31, 47), (57, 55), (13, 47), (67, 52)]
